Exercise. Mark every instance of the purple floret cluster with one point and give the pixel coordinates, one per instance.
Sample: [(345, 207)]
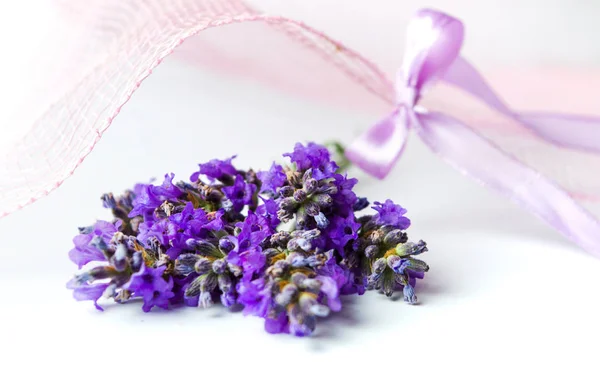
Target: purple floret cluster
[(282, 244)]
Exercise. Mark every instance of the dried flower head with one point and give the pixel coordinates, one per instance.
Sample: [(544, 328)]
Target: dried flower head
[(283, 243)]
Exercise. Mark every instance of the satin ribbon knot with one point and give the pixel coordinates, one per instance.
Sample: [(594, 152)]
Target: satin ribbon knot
[(432, 55)]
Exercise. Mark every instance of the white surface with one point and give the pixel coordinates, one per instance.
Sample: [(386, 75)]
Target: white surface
[(508, 302)]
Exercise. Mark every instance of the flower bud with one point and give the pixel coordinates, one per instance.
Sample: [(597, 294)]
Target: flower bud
[(323, 200), (301, 324), (286, 191), (284, 215), (304, 244), (185, 263), (308, 303), (372, 251), (126, 200), (296, 259), (322, 221), (119, 259), (361, 203), (137, 259), (373, 280), (298, 278), (312, 284), (311, 234), (328, 189), (202, 265), (301, 217), (395, 237), (307, 175), (205, 300), (288, 203), (278, 269), (409, 294), (312, 209), (379, 266), (416, 265), (219, 266), (388, 285), (225, 283), (310, 185), (193, 289), (300, 196), (280, 239), (208, 282), (203, 248), (395, 263), (410, 248), (226, 245), (108, 201), (288, 292)]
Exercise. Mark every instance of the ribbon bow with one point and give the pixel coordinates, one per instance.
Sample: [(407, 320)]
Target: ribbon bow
[(434, 40)]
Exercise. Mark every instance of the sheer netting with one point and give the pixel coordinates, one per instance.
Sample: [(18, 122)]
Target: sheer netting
[(100, 51)]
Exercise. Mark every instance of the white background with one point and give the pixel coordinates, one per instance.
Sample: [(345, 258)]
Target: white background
[(508, 302)]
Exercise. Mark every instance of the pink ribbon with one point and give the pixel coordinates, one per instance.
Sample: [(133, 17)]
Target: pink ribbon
[(433, 45)]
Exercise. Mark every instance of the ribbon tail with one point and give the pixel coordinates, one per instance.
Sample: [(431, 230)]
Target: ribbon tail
[(562, 130), (377, 150), (570, 131), (475, 156)]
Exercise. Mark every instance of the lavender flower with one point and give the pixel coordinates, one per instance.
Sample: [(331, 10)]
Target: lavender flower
[(228, 238), (315, 157), (221, 170), (388, 213), (386, 258), (89, 242), (295, 290), (150, 284), (342, 231), (273, 179), (240, 193), (152, 197), (268, 211), (86, 291)]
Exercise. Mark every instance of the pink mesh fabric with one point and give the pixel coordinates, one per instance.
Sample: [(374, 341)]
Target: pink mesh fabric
[(100, 51), (111, 46)]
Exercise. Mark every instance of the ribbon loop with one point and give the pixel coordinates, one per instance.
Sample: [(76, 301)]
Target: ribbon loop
[(433, 43), (434, 40)]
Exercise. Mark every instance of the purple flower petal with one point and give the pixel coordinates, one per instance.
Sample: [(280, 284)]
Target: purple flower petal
[(277, 325), (390, 214), (330, 288), (272, 179), (215, 169), (151, 286), (88, 292), (313, 156), (240, 194), (83, 252)]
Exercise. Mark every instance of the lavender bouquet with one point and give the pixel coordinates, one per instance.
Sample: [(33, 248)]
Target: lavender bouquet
[(282, 244)]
